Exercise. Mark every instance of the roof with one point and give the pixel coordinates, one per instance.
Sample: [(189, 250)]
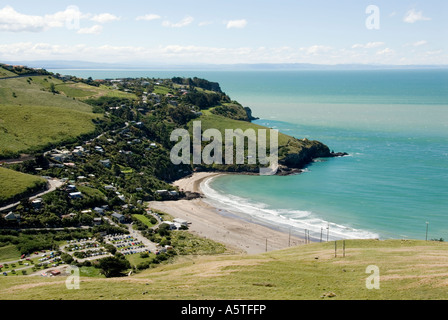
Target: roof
[(117, 215), (12, 216)]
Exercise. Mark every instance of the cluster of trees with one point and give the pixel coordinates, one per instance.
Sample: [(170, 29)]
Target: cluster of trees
[(22, 70), (205, 100), (197, 82), (29, 241), (233, 111)]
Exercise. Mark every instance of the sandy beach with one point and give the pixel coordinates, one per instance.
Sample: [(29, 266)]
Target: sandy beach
[(212, 223)]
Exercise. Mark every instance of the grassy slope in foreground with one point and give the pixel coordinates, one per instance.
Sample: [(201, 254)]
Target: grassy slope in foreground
[(408, 270), (14, 185)]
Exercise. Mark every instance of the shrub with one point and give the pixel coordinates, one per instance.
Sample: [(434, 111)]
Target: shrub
[(144, 255)]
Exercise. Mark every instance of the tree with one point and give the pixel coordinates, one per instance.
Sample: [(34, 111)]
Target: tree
[(68, 259), (113, 266), (110, 248), (53, 88)]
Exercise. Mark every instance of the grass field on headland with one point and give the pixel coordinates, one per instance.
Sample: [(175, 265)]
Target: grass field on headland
[(407, 270)]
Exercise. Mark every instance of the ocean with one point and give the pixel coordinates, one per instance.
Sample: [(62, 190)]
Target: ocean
[(393, 124)]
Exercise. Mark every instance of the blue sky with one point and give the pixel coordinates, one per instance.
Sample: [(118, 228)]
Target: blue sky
[(226, 32)]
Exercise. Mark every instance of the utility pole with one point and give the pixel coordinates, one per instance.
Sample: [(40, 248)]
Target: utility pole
[(289, 238), (321, 229), (427, 224)]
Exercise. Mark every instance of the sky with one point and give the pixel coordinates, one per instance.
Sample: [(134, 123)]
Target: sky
[(180, 32)]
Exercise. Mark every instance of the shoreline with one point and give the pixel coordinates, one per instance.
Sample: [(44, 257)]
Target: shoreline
[(217, 224)]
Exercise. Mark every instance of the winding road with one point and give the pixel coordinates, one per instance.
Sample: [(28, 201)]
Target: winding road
[(52, 184)]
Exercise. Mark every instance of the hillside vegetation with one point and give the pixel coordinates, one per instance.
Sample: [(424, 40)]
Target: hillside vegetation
[(407, 270)]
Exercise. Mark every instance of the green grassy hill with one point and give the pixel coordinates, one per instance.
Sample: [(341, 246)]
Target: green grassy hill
[(6, 73), (14, 185), (44, 116), (408, 270)]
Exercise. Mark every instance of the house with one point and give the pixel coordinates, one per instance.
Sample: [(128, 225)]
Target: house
[(171, 225), (99, 210), (109, 188), (97, 221), (37, 203), (119, 217), (55, 272), (75, 195), (70, 188), (181, 222), (12, 217), (106, 163), (77, 152), (69, 216), (99, 149), (70, 164)]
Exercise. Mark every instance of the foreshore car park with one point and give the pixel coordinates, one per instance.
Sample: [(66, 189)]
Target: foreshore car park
[(44, 262)]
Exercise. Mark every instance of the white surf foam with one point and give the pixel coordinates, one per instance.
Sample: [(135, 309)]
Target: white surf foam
[(295, 221)]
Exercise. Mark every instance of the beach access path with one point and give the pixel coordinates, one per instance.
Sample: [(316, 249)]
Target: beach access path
[(213, 223)]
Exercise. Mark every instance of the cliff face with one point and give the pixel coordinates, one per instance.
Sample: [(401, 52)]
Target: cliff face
[(308, 151)]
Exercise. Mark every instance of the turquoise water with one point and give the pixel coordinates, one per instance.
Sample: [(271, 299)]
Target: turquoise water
[(394, 125)]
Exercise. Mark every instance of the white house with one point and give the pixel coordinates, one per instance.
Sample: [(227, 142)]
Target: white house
[(181, 222), (12, 216), (75, 195), (171, 225)]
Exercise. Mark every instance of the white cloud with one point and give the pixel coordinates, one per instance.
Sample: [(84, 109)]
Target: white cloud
[(205, 23), (419, 43), (148, 17), (105, 17), (316, 49), (385, 51), (187, 54), (183, 23), (96, 29), (368, 45), (239, 24), (13, 21), (414, 16), (436, 52)]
